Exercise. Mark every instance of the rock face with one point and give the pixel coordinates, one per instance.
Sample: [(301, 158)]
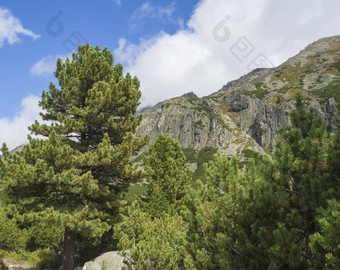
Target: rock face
[(190, 121), (246, 113), (107, 261)]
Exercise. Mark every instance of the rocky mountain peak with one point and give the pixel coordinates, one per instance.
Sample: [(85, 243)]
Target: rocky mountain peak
[(245, 114)]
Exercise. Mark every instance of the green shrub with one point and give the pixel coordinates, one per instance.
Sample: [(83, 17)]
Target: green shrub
[(139, 158), (192, 100), (204, 155), (134, 191), (11, 237), (331, 90), (336, 65), (189, 154), (250, 153), (259, 93), (43, 234), (46, 259)]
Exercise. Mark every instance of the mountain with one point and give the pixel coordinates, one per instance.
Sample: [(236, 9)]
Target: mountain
[(245, 114), (242, 118)]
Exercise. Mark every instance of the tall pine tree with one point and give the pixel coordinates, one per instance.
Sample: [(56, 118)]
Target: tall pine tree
[(167, 173), (75, 176), (152, 230)]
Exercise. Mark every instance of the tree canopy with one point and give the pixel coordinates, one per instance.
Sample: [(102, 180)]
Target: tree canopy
[(74, 175)]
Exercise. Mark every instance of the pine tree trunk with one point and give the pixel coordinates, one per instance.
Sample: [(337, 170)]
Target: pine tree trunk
[(68, 252)]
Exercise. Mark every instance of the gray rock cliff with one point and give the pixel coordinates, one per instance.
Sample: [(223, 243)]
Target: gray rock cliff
[(247, 113)]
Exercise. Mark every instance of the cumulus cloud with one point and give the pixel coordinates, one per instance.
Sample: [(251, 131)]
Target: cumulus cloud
[(47, 65), (11, 28), (13, 131), (201, 59)]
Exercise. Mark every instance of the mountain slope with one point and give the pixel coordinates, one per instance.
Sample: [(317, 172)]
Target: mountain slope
[(246, 113)]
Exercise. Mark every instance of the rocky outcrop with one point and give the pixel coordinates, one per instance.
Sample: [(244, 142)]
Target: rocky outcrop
[(250, 110), (190, 121), (107, 261)]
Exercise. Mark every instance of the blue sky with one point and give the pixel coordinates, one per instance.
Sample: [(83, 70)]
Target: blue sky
[(172, 46), (100, 22)]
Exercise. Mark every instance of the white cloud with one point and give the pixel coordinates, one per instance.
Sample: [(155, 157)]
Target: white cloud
[(11, 28), (193, 60), (13, 131), (47, 65), (146, 10), (148, 16)]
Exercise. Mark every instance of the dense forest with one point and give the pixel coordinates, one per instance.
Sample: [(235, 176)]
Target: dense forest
[(64, 195)]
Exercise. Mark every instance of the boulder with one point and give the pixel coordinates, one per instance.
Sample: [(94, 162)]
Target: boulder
[(107, 261)]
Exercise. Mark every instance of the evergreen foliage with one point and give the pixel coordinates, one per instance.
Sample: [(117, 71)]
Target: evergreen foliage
[(152, 230), (277, 214), (153, 242), (167, 174), (75, 176), (11, 237)]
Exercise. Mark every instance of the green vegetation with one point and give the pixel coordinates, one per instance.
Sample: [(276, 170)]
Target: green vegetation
[(189, 154), (74, 192), (11, 237), (224, 107), (167, 175), (214, 98), (72, 181), (259, 93), (202, 157), (278, 100), (250, 153), (319, 80), (2, 265), (199, 124), (331, 90), (135, 191), (336, 65), (205, 108), (283, 90), (280, 214), (192, 100), (158, 217), (139, 158)]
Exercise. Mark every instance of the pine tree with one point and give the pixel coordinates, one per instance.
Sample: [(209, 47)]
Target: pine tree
[(211, 212), (153, 230), (303, 164), (75, 176), (325, 242), (153, 242), (266, 217), (167, 174)]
